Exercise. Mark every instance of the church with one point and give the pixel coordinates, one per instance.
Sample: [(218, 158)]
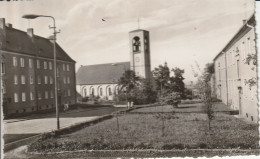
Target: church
[(101, 80)]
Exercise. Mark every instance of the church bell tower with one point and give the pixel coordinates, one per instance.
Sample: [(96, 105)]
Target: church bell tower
[(140, 61)]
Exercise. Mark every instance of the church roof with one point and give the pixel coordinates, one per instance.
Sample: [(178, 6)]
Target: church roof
[(101, 73), (18, 41)]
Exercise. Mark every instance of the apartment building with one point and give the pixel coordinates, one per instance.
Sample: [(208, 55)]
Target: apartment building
[(27, 71), (232, 72)]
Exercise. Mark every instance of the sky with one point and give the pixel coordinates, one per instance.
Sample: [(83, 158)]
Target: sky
[(184, 34)]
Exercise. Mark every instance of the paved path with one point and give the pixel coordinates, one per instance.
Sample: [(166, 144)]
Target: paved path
[(16, 129), (41, 125)]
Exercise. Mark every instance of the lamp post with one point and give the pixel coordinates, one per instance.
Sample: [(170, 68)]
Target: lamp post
[(34, 16)]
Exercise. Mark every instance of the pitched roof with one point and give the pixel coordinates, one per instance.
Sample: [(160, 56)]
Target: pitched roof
[(19, 41), (101, 74), (250, 21)]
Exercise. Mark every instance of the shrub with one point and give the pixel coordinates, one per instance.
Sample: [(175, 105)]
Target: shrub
[(85, 99)]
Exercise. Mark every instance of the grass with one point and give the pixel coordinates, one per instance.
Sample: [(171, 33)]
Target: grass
[(145, 132), (197, 107)]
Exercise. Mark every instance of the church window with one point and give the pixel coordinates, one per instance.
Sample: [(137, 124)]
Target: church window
[(136, 44), (100, 92), (85, 92), (117, 90), (92, 91), (109, 92)]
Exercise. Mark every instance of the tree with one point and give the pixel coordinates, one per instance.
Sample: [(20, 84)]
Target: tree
[(137, 90), (167, 84), (128, 80), (251, 58), (161, 76), (205, 90), (176, 82)]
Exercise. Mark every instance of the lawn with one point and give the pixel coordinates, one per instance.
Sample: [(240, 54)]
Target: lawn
[(182, 130), (194, 107)]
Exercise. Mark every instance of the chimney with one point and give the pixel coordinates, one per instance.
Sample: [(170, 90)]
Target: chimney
[(2, 23), (9, 25), (244, 21), (30, 32)]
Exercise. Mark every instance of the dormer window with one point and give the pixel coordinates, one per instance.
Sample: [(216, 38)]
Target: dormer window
[(136, 44)]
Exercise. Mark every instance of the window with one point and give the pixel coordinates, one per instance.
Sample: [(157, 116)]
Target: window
[(85, 92), (238, 71), (68, 67), (45, 65), (50, 65), (51, 94), (22, 79), (64, 80), (3, 68), (31, 96), (39, 79), (22, 62), (45, 79), (109, 92), (100, 91), (3, 88), (39, 95), (64, 69), (38, 64), (16, 97), (58, 85), (31, 79), (68, 80), (14, 61), (46, 95), (69, 92), (23, 96), (92, 91), (58, 72), (30, 63), (117, 90), (15, 79), (51, 80), (136, 44)]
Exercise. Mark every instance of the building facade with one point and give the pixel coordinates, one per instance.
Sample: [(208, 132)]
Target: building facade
[(101, 80), (232, 72), (27, 70)]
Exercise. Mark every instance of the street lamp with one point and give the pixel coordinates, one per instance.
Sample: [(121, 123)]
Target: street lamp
[(34, 16)]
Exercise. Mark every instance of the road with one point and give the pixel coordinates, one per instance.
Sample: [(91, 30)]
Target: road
[(16, 129)]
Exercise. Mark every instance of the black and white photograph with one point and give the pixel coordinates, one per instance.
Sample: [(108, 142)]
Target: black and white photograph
[(129, 79)]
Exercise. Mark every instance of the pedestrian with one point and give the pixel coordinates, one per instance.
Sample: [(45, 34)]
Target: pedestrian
[(66, 107)]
